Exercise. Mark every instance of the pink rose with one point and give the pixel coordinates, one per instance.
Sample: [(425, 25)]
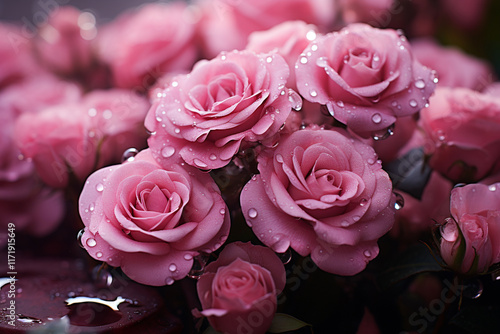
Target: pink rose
[(454, 67), (470, 239), (469, 15), (321, 193), (229, 101), (238, 291), (367, 77), (369, 11), (288, 39), (67, 139), (463, 127), (143, 45), (150, 221), (64, 41), (24, 201), (226, 24)]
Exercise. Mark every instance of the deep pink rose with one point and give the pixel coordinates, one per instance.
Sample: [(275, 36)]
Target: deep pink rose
[(142, 45), (470, 239), (24, 201), (368, 11), (238, 291), (454, 67), (288, 39), (67, 139), (226, 24), (229, 101), (367, 77), (463, 127), (150, 221), (64, 41), (321, 193)]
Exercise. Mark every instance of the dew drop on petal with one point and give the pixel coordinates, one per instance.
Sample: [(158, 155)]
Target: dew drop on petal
[(188, 257), (322, 62), (376, 118), (400, 202), (279, 158), (313, 93), (492, 187), (269, 59), (167, 151), (169, 281), (367, 253), (222, 211), (295, 100), (129, 154), (99, 187), (79, 237), (420, 84), (311, 35), (98, 255), (172, 267), (413, 103), (212, 157), (314, 47), (340, 104), (344, 223), (252, 213), (159, 119), (91, 242), (303, 60), (363, 202), (177, 130)]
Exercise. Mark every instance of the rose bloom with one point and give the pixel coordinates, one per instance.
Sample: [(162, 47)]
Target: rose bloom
[(322, 193), (142, 45), (73, 139), (229, 101), (24, 201), (367, 77), (470, 239), (463, 127), (226, 24), (238, 291), (64, 41), (150, 221), (454, 67)]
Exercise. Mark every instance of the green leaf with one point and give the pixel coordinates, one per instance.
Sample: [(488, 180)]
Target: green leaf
[(415, 260), (285, 323)]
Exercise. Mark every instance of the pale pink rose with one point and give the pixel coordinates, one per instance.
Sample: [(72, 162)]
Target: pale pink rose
[(240, 287), (116, 121), (44, 90), (367, 77), (463, 127), (368, 11), (321, 193), (225, 103), (470, 239), (64, 41), (17, 61), (142, 45), (226, 24), (288, 39), (454, 67), (150, 221), (57, 140), (24, 201)]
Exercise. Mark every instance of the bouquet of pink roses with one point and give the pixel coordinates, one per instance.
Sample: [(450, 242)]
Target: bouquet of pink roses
[(250, 167)]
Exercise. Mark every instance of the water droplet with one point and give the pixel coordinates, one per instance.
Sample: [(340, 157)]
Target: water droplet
[(98, 255), (169, 281), (420, 84), (92, 112), (492, 187), (175, 84), (459, 185), (473, 289), (340, 104), (363, 202), (129, 154), (79, 236), (177, 130), (212, 157), (188, 257), (279, 158), (313, 93), (311, 35), (286, 256), (314, 47), (199, 163), (370, 161), (303, 60), (159, 119), (413, 103), (28, 320), (344, 223), (167, 151), (376, 118), (101, 276), (400, 201), (199, 263), (384, 133), (91, 207), (172, 267), (322, 62), (252, 213), (107, 114), (99, 187), (356, 218), (91, 242), (367, 253), (295, 100), (269, 59)]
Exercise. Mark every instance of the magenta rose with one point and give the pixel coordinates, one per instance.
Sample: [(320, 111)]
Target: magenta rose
[(463, 127), (151, 221), (229, 101), (322, 193), (64, 41), (142, 45), (454, 67), (226, 24), (367, 77), (238, 291), (470, 239)]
